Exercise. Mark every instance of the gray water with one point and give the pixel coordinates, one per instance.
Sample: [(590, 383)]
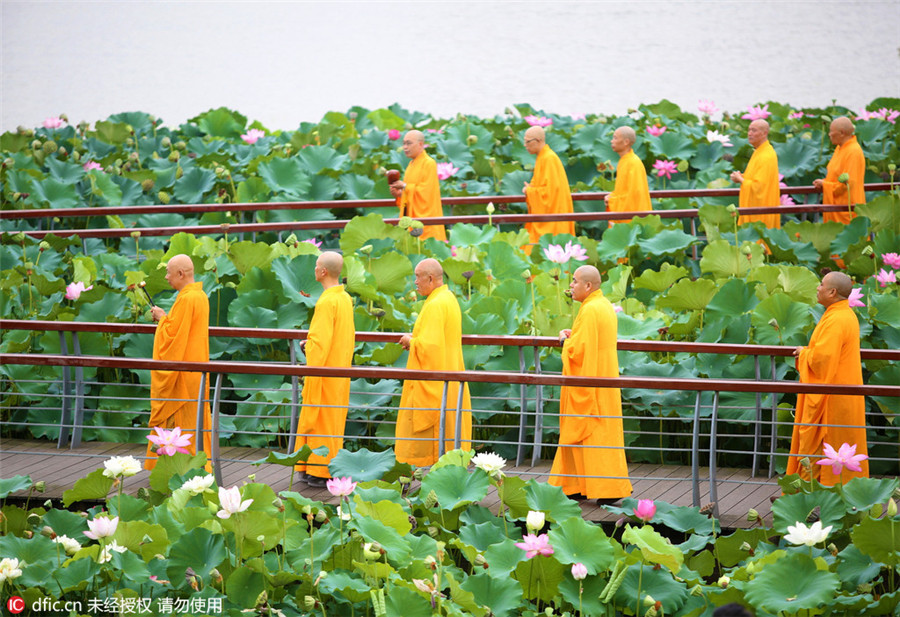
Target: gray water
[(285, 62)]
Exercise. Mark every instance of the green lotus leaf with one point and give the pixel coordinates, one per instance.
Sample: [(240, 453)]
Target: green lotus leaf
[(798, 283), (52, 193), (392, 272), (617, 241), (851, 234), (796, 157), (616, 284), (503, 557), (785, 249), (291, 458), (465, 234), (221, 122), (504, 261), (483, 535), (314, 159), (373, 140), (575, 540), (253, 190), (361, 229), (351, 587), (169, 466), (406, 602), (733, 298), (882, 212), (790, 509), (11, 485), (654, 547), (512, 180), (75, 576), (657, 584), (455, 487), (246, 255), (244, 585), (861, 493), (724, 260), (886, 308), (593, 140), (791, 584), (356, 186), (130, 565), (198, 549), (638, 329), (854, 568), (193, 185), (688, 295), (65, 523), (878, 538), (455, 151), (67, 173), (539, 577), (93, 486), (662, 280), (361, 465), (286, 175), (111, 132), (145, 539), (715, 220), (298, 278), (502, 595), (359, 282), (375, 531), (387, 512), (550, 500), (673, 146), (385, 119), (791, 320), (821, 235)]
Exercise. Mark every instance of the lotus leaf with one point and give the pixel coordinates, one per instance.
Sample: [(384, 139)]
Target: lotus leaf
[(886, 308), (851, 234), (14, 484), (688, 295), (502, 595), (779, 320), (455, 487), (882, 212), (879, 539), (298, 279), (552, 501), (198, 549), (725, 260), (540, 577), (193, 185), (789, 509), (654, 547), (617, 242), (672, 146), (643, 580), (53, 194), (576, 541), (792, 583), (396, 547), (405, 602), (221, 122), (483, 535), (662, 280)]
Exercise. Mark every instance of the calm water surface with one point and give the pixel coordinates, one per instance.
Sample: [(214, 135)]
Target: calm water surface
[(286, 62)]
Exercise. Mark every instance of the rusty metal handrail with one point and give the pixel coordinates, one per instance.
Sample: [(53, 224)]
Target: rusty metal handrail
[(373, 203), (531, 379), (467, 339)]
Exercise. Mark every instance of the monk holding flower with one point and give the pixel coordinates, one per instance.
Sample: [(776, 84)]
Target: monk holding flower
[(759, 182), (419, 193), (846, 167)]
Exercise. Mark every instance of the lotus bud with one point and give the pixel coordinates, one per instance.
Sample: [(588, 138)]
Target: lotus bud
[(163, 197), (76, 156), (472, 140), (36, 144), (366, 250), (404, 480), (47, 531), (433, 531), (535, 521), (179, 172), (490, 207), (49, 147), (844, 177), (723, 581), (526, 274), (891, 508), (63, 152), (746, 250), (8, 162), (41, 486), (28, 534), (174, 155), (306, 510), (805, 463), (752, 515), (431, 500), (481, 561), (321, 517), (323, 574), (417, 473)]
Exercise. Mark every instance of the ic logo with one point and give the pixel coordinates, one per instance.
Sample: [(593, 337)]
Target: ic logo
[(15, 605)]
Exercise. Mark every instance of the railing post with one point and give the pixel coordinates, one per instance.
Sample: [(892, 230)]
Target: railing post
[(78, 418), (694, 233), (757, 429), (295, 399), (201, 399), (713, 491), (442, 422), (523, 411), (538, 411), (457, 437), (695, 453), (65, 417), (214, 430), (774, 429)]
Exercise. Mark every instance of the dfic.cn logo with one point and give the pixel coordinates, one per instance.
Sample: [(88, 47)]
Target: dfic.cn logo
[(15, 605)]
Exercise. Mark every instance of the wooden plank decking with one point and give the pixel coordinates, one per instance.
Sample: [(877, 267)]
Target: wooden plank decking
[(60, 468)]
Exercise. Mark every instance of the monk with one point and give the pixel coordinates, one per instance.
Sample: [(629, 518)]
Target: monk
[(548, 192), (419, 193), (591, 438), (434, 345), (832, 356), (631, 193), (182, 335), (759, 182), (848, 158), (330, 342)]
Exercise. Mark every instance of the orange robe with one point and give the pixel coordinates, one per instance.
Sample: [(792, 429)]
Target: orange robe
[(181, 336), (422, 195), (832, 356), (591, 352), (436, 345), (548, 193), (849, 159), (760, 187), (330, 342), (632, 192)]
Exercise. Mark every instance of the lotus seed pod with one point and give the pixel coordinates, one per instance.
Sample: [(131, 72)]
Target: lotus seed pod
[(165, 142), (417, 472), (844, 177), (174, 156), (33, 519), (431, 500), (723, 581), (321, 517), (148, 185), (9, 162), (163, 197), (745, 546), (40, 486), (49, 147), (309, 603), (746, 250), (76, 156), (472, 140), (179, 172), (21, 129), (83, 126), (180, 145)]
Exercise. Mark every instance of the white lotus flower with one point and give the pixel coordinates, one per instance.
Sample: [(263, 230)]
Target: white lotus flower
[(106, 553), (489, 463), (535, 520), (9, 569), (198, 484), (230, 500), (70, 545), (810, 536), (712, 136), (121, 466)]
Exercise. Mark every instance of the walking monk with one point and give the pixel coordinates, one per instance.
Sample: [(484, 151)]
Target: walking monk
[(832, 356), (632, 193), (548, 192), (591, 438), (434, 345), (182, 335), (330, 342), (759, 182), (419, 193), (848, 158)]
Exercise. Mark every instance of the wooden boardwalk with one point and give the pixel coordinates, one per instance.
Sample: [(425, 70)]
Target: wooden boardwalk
[(737, 490)]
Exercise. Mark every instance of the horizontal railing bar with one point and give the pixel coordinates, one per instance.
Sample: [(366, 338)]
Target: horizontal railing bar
[(467, 339), (646, 383), (373, 203)]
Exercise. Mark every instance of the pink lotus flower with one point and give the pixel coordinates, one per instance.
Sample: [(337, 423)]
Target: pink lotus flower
[(656, 130), (856, 297), (340, 487), (891, 115), (579, 571), (394, 134), (92, 165), (891, 259), (665, 168), (253, 135), (617, 308), (795, 115), (757, 113), (170, 442), (102, 527), (866, 115), (845, 457), (787, 200), (445, 170), (888, 115), (452, 251), (646, 510), (74, 290), (534, 545), (54, 123), (884, 277), (712, 136), (579, 117), (314, 242), (230, 500), (707, 107), (538, 120), (438, 131), (560, 255)]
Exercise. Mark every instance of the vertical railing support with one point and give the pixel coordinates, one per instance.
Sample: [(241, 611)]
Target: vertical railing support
[(523, 411), (713, 491), (757, 428), (774, 430), (295, 399), (442, 422), (457, 437), (695, 453), (65, 416), (538, 411), (201, 399), (214, 430), (78, 415)]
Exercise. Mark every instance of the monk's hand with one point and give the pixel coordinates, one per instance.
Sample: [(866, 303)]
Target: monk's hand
[(525, 188), (564, 334), (157, 313), (818, 183), (405, 341), (797, 352), (606, 197), (737, 176)]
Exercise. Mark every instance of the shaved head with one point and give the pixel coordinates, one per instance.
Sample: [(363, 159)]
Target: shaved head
[(331, 262), (626, 133), (415, 135), (180, 271), (840, 282), (431, 267), (622, 140), (535, 139), (585, 281), (841, 130), (429, 276), (758, 133), (589, 274), (413, 143)]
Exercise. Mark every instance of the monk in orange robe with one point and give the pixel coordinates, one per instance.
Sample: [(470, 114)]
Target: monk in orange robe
[(182, 335), (434, 345), (419, 193), (631, 193), (848, 158), (759, 182), (548, 192), (330, 342), (832, 356), (590, 459)]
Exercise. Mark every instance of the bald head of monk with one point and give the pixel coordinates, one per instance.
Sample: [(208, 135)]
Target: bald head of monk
[(758, 133), (328, 268), (623, 140), (429, 276), (841, 130), (585, 281), (413, 143), (535, 138), (180, 272), (835, 286)]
